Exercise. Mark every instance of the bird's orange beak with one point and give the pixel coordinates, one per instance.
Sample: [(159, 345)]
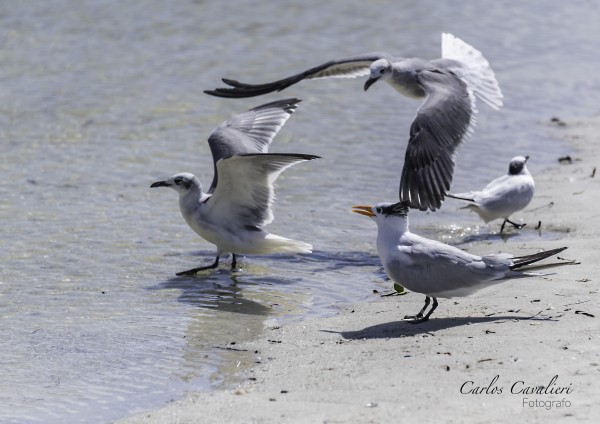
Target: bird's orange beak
[(363, 210)]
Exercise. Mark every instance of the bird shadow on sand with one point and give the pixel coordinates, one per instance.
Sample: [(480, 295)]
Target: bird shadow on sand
[(397, 329)]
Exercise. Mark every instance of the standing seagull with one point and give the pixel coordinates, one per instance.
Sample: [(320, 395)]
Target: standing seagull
[(444, 120), (433, 268), (504, 196), (238, 204)]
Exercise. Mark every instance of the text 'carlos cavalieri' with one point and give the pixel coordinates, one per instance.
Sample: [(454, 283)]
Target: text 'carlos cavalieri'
[(520, 387)]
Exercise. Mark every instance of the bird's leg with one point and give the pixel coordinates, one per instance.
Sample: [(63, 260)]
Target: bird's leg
[(233, 262), (514, 224), (433, 307), (421, 312), (193, 271), (419, 317)]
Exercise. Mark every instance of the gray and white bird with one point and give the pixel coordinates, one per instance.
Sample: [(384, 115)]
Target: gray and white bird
[(504, 196), (233, 211), (446, 118), (433, 268)]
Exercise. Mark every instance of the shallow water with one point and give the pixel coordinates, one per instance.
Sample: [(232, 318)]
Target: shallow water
[(99, 99)]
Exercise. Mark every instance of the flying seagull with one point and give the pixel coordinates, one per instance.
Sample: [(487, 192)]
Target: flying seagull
[(504, 196), (447, 86), (433, 268), (233, 211)]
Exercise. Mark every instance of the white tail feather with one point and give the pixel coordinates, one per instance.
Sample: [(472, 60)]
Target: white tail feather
[(276, 244), (478, 74)]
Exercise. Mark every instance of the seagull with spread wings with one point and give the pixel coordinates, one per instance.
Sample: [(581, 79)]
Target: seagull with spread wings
[(447, 86), (233, 211)]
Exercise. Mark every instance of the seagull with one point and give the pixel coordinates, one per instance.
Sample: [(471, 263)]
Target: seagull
[(504, 196), (447, 86), (233, 211), (433, 268)]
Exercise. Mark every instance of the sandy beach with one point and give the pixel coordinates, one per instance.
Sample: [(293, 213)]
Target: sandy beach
[(479, 359)]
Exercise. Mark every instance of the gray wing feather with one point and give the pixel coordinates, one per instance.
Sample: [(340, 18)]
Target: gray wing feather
[(442, 123), (445, 271), (249, 132), (349, 67), (246, 192)]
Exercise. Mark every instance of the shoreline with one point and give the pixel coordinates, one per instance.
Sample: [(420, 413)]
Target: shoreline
[(480, 358)]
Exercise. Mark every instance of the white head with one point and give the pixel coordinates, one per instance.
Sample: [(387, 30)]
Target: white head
[(182, 183), (380, 69), (517, 165), (386, 213)]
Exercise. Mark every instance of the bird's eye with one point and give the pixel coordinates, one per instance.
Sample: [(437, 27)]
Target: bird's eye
[(382, 71), (378, 210), (178, 180)]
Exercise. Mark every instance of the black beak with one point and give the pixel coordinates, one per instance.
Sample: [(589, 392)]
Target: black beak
[(370, 82), (526, 158), (160, 184)]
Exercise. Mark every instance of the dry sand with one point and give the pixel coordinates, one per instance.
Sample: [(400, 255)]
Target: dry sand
[(366, 365)]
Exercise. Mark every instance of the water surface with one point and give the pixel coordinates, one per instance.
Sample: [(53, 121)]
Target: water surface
[(98, 99)]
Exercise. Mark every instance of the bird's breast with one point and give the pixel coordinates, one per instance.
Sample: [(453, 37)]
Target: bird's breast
[(404, 80), (408, 89)]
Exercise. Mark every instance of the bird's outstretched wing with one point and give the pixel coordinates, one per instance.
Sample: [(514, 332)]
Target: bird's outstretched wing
[(349, 67), (442, 123), (249, 132), (474, 69), (245, 191)]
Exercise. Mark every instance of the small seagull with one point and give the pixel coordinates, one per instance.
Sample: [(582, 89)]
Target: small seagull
[(447, 86), (238, 204), (436, 269), (504, 196)]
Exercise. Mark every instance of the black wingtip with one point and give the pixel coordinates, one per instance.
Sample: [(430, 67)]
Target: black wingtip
[(521, 261), (231, 93), (303, 156), (298, 155), (237, 84), (466, 199), (229, 82)]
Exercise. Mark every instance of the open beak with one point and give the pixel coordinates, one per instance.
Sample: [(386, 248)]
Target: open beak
[(363, 210), (370, 82), (160, 184)]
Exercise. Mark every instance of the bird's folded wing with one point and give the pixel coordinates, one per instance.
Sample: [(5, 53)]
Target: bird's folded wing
[(447, 271), (249, 132), (245, 191), (501, 186), (442, 123), (499, 190), (349, 67), (432, 253)]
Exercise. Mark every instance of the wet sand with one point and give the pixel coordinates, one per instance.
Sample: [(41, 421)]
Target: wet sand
[(477, 360)]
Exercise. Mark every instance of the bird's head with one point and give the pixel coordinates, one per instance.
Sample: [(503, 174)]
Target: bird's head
[(379, 69), (181, 183), (517, 164), (383, 211)]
